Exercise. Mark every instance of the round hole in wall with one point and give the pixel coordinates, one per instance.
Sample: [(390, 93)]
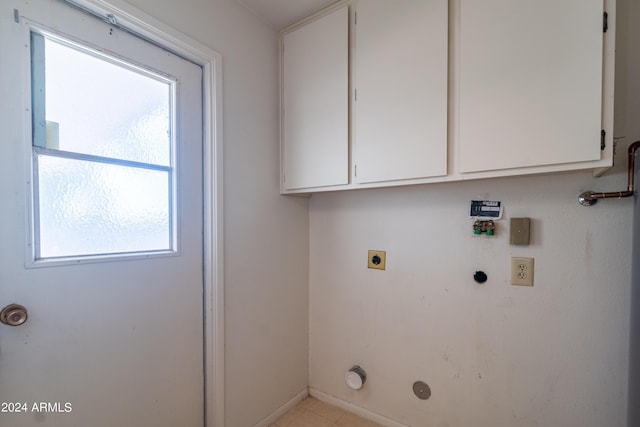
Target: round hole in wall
[(480, 276)]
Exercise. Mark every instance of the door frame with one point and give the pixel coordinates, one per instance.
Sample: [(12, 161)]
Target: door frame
[(147, 27)]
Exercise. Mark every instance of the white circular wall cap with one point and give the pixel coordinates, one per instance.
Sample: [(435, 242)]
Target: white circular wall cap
[(353, 380)]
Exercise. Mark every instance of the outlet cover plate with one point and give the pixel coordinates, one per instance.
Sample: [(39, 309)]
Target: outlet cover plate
[(377, 260), (522, 271), (519, 231)]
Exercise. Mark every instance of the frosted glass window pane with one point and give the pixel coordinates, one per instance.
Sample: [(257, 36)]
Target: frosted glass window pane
[(96, 107), (103, 164), (89, 208)]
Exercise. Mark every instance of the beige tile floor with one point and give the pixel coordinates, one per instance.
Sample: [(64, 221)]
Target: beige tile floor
[(312, 412)]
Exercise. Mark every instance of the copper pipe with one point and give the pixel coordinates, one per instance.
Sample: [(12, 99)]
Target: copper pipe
[(589, 198)]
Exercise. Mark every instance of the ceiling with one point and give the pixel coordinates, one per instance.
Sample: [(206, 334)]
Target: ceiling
[(282, 13)]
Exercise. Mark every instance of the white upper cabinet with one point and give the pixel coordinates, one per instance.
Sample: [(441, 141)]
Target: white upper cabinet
[(380, 93), (530, 83), (400, 97), (315, 103)]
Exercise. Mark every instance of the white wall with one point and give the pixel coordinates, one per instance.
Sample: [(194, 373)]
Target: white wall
[(629, 119), (266, 235), (634, 352), (494, 355)]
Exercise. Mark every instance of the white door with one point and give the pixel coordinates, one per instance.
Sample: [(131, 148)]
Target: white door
[(400, 111), (101, 224), (315, 103), (530, 83)]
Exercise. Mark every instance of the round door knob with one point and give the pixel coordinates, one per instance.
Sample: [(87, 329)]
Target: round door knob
[(13, 315)]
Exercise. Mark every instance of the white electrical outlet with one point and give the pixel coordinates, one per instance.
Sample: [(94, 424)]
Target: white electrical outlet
[(522, 271)]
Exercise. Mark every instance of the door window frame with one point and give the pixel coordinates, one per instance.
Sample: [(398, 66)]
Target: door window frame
[(38, 148)]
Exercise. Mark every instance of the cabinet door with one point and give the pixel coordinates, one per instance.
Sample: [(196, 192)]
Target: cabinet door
[(401, 89), (315, 124), (530, 85)]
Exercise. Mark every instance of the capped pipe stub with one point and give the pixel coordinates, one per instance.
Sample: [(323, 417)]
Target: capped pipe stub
[(355, 377), (586, 199)]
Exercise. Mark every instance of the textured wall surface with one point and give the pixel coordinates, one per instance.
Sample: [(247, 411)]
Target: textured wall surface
[(493, 354), (628, 119), (634, 353)]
